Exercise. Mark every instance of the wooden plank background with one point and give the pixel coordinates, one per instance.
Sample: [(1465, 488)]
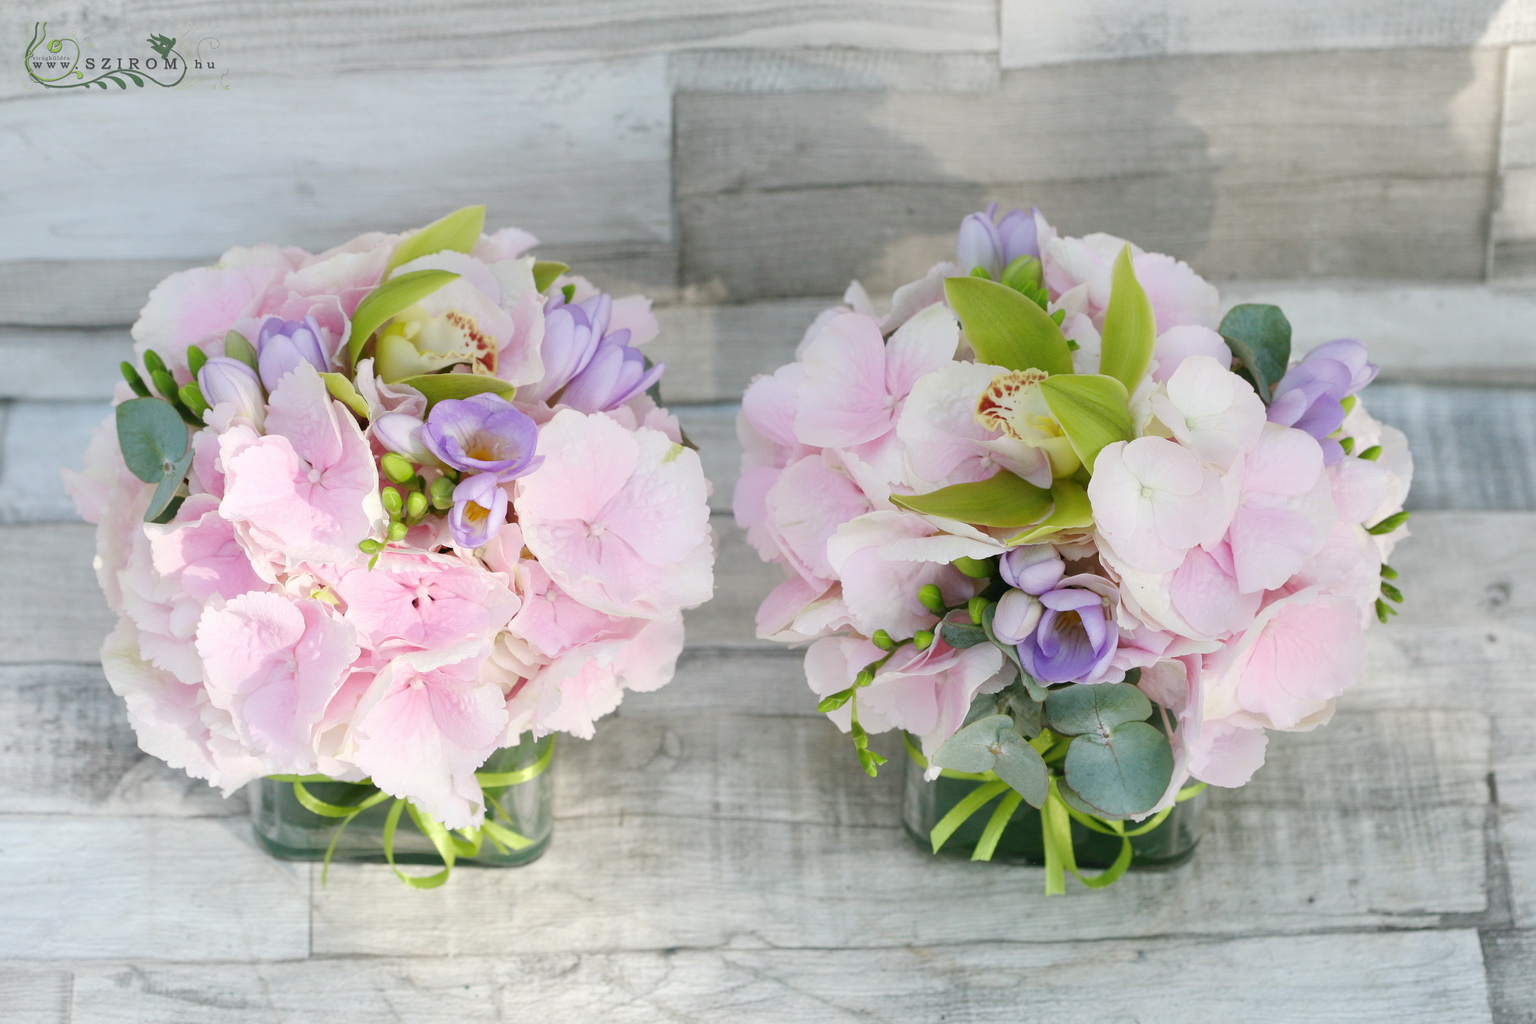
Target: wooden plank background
[(1370, 165)]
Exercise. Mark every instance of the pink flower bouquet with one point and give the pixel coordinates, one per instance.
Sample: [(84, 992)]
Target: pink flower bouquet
[(1081, 537), (370, 517)]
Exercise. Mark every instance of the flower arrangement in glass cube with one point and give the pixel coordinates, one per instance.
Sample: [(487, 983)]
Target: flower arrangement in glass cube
[(1079, 534), (378, 512)]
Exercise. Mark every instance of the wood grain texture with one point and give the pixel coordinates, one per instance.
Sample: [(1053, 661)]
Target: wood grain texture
[(1512, 255), (33, 993), (297, 37), (824, 69), (601, 132), (151, 888), (1414, 978), (1036, 34), (1508, 956), (1362, 164)]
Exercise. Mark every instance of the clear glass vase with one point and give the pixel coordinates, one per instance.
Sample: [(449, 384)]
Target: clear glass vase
[(924, 803), (290, 831)]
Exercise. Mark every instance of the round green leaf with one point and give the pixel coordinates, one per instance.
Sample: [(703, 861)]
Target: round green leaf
[(1260, 336), (1020, 765), (972, 748), (152, 436), (1094, 708), (1122, 774)]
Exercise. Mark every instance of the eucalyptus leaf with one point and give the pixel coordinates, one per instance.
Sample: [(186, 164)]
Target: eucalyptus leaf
[(983, 705), (1095, 708), (237, 347), (1130, 326), (1093, 410), (1260, 337), (547, 272), (1009, 650), (1070, 510), (343, 390), (152, 436), (1021, 766), (164, 502), (1027, 716), (393, 296), (960, 635), (1122, 774), (440, 386), (971, 748), (1005, 328), (459, 231), (1003, 500)]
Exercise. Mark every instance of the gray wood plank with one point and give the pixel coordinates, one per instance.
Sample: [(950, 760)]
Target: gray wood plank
[(45, 364), (41, 439), (1302, 165), (33, 993), (1510, 957), (147, 888), (1413, 978), (577, 153), (260, 38), (1513, 243), (1035, 34), (822, 69)]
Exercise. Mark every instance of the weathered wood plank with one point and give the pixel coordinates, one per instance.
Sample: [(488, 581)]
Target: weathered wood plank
[(69, 364), (1263, 166), (831, 69), (574, 152), (149, 888), (1112, 29), (42, 438), (34, 993), (259, 39), (50, 607), (1510, 957), (1513, 246), (1414, 978)]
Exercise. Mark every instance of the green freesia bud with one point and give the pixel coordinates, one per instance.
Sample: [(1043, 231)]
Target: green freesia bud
[(393, 503), (835, 701), (932, 598), (975, 607), (923, 640), (1387, 572), (370, 546), (196, 359), (441, 493), (883, 640), (975, 568), (397, 532), (1348, 444), (865, 677), (416, 506), (1372, 453), (397, 467), (131, 375), (1388, 524), (153, 363)]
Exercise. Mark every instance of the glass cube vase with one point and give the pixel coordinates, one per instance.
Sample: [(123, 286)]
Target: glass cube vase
[(924, 803), (290, 831)]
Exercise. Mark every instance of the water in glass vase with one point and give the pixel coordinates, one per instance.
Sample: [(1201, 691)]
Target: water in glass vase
[(290, 831), (925, 803)]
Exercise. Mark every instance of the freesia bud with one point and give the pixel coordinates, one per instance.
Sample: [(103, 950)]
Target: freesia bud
[(224, 380), (400, 432), (1033, 568), (1017, 615), (397, 468), (284, 344)]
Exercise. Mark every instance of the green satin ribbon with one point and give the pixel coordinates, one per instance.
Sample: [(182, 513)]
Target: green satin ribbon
[(1056, 818), (451, 846)]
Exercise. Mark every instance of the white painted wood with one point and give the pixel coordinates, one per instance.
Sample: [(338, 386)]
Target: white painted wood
[(1513, 244), (1037, 34), (832, 69), (574, 152), (65, 364), (149, 888), (1412, 978), (50, 607), (41, 439), (31, 993), (1509, 956)]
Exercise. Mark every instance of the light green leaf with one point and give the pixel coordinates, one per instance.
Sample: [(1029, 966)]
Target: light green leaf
[(1123, 774), (971, 748), (1025, 274), (1260, 337), (1093, 410), (1130, 326), (1070, 510), (237, 347), (342, 389), (164, 502), (1003, 501), (457, 232), (1095, 708), (1005, 328), (152, 436), (439, 386), (1021, 766), (391, 297), (547, 272)]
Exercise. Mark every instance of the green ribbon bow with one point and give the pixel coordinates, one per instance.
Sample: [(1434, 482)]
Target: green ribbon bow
[(1056, 817), (450, 845)]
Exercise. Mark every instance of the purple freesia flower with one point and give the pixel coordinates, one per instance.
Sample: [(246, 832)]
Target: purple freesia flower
[(1075, 639), (992, 244), (586, 366), (479, 510), (1310, 395), (282, 345), (484, 434), (1033, 568), (223, 379)]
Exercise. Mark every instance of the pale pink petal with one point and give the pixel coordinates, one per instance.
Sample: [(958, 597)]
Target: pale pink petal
[(843, 399)]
